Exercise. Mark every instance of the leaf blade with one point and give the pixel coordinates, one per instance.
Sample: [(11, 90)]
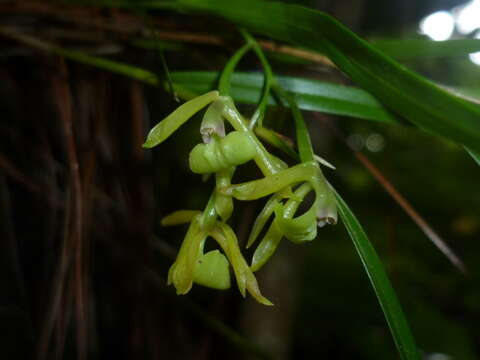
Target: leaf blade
[(383, 289), (474, 154), (424, 48), (401, 90), (311, 95)]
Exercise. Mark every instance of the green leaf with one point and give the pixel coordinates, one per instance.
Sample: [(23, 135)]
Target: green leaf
[(310, 94), (157, 44), (304, 143), (259, 113), (99, 62), (404, 92), (386, 295), (475, 155), (421, 48), (225, 78)]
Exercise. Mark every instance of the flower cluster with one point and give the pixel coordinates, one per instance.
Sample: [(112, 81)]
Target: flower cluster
[(220, 154)]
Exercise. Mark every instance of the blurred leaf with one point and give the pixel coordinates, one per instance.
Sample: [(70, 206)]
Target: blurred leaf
[(415, 48), (440, 334), (475, 155), (157, 44), (401, 90), (99, 62), (311, 95), (386, 295)]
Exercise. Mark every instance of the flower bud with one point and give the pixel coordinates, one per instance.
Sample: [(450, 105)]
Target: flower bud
[(234, 149), (212, 123)]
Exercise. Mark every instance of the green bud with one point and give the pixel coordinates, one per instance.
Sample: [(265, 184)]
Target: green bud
[(257, 189), (301, 228), (212, 123), (327, 209), (234, 149)]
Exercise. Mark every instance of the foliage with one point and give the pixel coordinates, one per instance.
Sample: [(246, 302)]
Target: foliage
[(386, 93)]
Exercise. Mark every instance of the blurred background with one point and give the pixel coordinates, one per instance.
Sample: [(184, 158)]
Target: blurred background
[(83, 259)]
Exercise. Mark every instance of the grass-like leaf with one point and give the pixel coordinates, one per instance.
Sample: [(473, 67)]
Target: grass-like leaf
[(475, 155), (424, 48), (310, 94), (386, 295), (304, 142), (404, 92), (81, 57)]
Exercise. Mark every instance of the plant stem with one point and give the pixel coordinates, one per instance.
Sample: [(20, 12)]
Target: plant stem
[(263, 159), (225, 78), (209, 215), (259, 113)]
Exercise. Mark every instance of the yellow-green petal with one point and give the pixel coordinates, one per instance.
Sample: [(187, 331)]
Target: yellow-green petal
[(172, 122), (212, 271)]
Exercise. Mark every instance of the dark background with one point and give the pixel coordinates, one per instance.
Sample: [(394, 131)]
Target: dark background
[(83, 258)]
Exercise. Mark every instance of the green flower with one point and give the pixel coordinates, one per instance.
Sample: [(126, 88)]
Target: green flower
[(220, 153), (211, 269), (298, 229)]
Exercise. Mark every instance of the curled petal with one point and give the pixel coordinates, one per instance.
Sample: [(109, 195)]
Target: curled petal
[(297, 229), (300, 229)]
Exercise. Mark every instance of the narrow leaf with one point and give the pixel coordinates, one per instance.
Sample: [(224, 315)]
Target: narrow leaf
[(383, 289), (99, 62), (404, 92), (311, 94), (225, 78), (475, 155), (421, 48)]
